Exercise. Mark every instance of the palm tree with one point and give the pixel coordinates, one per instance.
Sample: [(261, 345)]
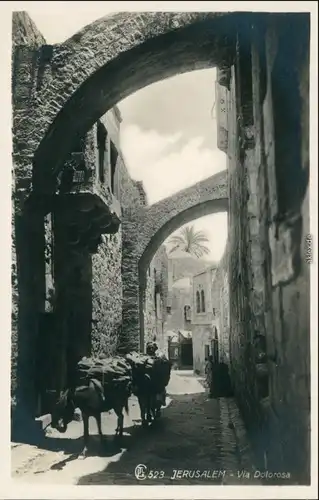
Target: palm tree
[(190, 241)]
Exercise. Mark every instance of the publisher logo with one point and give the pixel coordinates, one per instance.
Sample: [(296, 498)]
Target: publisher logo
[(140, 472)]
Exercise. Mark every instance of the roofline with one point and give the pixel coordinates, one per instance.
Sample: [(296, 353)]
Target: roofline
[(208, 269), (199, 274)]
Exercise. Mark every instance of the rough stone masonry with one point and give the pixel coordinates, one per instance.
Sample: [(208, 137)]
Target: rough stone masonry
[(60, 92), (268, 166), (86, 287)]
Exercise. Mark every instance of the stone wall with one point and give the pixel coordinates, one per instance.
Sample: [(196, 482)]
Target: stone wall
[(105, 291), (107, 295), (132, 294), (180, 295), (25, 32), (241, 271), (83, 296), (268, 222), (112, 267), (150, 319), (220, 303), (42, 71), (27, 232), (215, 321), (145, 229), (202, 283), (132, 207), (202, 337), (182, 267), (182, 264), (155, 303), (45, 64), (202, 322), (282, 116)]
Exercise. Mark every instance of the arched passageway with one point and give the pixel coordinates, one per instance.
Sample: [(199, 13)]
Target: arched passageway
[(75, 84), (267, 79), (200, 210), (107, 61), (163, 218)]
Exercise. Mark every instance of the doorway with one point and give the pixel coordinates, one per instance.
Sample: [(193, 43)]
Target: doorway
[(187, 354)]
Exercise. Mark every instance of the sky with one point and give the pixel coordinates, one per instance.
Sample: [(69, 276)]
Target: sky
[(168, 139), (168, 134)]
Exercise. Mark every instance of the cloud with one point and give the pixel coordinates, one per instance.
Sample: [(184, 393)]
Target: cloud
[(164, 163), (142, 149)]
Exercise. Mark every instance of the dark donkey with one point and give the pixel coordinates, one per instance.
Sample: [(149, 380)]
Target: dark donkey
[(92, 398), (149, 384)]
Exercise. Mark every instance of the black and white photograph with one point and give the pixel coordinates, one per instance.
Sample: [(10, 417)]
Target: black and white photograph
[(163, 247)]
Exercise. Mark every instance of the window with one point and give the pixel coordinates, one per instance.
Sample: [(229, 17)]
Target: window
[(202, 300), (214, 311), (169, 309), (101, 136), (197, 302), (114, 156), (187, 313)]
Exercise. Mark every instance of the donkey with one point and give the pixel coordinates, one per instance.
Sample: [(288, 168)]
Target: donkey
[(92, 399), (149, 387)]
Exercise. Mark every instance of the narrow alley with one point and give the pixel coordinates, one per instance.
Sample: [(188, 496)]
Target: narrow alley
[(196, 437), (161, 195)]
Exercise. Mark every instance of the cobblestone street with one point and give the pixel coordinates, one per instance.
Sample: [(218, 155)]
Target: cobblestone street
[(195, 436)]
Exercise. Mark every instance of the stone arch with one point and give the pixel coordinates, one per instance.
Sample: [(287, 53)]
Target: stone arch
[(155, 225), (200, 210), (82, 78), (161, 219), (188, 215)]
